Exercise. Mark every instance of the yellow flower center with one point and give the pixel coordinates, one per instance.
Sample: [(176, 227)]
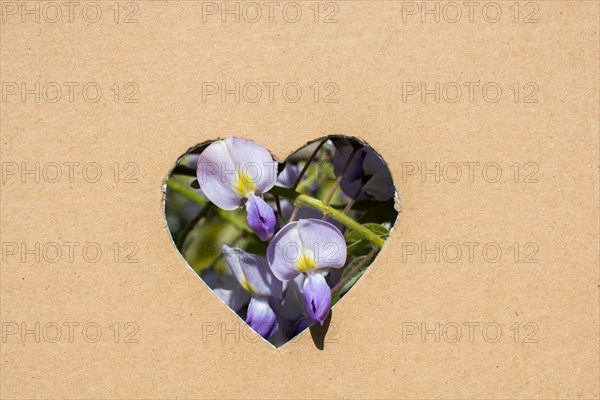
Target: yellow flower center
[(305, 264), (244, 185), (248, 287)]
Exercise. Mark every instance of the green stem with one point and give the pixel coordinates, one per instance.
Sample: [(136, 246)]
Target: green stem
[(340, 177), (307, 164), (297, 198), (304, 200)]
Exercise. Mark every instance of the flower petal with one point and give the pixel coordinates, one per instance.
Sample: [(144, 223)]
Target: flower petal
[(317, 296), (305, 246), (287, 177), (254, 162), (232, 169), (292, 306), (234, 298), (324, 242), (261, 218), (227, 288), (283, 252), (343, 151), (261, 317), (372, 162), (380, 185), (217, 176), (252, 272), (352, 188)]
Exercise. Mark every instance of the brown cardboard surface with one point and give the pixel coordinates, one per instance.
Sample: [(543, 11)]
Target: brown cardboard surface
[(497, 242)]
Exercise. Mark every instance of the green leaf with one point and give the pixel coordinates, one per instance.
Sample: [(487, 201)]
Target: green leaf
[(357, 246), (181, 237), (353, 265), (202, 247), (378, 213), (356, 275), (348, 285), (352, 236)]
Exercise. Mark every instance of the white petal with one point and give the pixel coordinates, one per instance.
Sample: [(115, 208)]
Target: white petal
[(217, 176), (254, 161)]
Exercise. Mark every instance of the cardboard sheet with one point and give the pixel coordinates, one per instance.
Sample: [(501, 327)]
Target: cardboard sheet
[(486, 113)]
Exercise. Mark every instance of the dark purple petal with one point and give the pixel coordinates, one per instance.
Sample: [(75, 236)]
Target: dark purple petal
[(372, 162), (303, 323), (355, 168), (380, 185), (261, 317), (317, 296), (288, 176), (261, 218), (351, 188)]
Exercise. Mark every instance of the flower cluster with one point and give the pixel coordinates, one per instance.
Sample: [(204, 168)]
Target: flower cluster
[(236, 172), (283, 265)]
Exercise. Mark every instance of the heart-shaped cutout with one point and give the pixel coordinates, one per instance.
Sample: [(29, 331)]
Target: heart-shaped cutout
[(280, 243)]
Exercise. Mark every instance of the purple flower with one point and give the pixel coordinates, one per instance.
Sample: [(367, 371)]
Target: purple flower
[(292, 305), (367, 174), (261, 218), (288, 176), (255, 277), (317, 296), (235, 172), (226, 288), (308, 246), (261, 317)]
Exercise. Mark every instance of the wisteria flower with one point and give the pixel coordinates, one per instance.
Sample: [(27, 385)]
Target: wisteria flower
[(226, 288), (308, 246), (288, 176), (234, 172), (366, 175), (255, 277)]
